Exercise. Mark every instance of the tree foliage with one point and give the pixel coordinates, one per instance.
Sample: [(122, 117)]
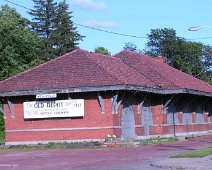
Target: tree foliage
[(130, 46), (2, 134), (184, 55), (52, 21), (207, 62), (19, 46), (164, 42), (43, 17), (102, 50)]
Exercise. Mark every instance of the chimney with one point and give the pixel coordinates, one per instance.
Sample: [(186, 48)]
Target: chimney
[(161, 59)]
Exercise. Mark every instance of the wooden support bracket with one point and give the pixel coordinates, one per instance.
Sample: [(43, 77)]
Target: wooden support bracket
[(140, 104), (11, 107), (101, 103), (114, 102), (118, 103), (165, 106)]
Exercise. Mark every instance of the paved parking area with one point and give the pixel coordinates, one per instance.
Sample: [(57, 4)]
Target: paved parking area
[(98, 159)]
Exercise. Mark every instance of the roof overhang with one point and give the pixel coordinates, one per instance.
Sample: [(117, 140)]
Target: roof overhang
[(106, 88)]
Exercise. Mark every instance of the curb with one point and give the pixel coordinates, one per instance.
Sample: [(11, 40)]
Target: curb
[(174, 167), (185, 163)]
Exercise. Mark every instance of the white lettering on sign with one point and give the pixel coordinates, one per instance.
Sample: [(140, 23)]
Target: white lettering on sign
[(57, 108), (43, 96)]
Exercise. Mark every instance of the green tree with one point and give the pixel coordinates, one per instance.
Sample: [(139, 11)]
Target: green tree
[(130, 46), (42, 23), (2, 134), (163, 42), (19, 46), (207, 57), (207, 62), (53, 23), (188, 59), (181, 54), (102, 50), (65, 36)]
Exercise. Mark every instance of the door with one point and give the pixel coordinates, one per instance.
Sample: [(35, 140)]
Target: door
[(127, 122), (146, 118)]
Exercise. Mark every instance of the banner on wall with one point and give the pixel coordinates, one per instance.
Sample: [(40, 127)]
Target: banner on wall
[(51, 109)]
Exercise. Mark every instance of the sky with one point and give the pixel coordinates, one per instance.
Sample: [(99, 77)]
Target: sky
[(133, 17)]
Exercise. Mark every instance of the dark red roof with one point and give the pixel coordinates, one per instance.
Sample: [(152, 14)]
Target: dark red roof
[(84, 71), (162, 74)]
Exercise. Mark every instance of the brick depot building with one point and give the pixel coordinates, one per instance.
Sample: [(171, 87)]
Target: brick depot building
[(84, 96)]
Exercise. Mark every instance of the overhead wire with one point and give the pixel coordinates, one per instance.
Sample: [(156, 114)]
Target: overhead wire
[(17, 4), (85, 26), (111, 32), (202, 38), (106, 31)]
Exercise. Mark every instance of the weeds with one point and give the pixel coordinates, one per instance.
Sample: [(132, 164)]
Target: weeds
[(90, 145), (159, 140), (54, 145)]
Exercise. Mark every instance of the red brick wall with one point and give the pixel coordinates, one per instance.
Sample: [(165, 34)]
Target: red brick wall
[(96, 124), (92, 118)]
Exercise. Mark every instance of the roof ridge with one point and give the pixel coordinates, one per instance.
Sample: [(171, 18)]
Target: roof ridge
[(97, 63), (119, 60), (166, 65), (153, 60), (132, 52), (174, 69), (170, 67), (141, 73)]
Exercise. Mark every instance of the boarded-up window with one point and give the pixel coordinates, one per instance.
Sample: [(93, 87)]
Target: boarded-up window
[(147, 118), (199, 114), (128, 122), (147, 115), (187, 118), (172, 115)]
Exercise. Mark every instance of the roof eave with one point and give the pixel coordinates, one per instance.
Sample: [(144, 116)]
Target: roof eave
[(106, 88)]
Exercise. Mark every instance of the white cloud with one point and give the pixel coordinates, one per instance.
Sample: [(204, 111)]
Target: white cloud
[(89, 4), (94, 23)]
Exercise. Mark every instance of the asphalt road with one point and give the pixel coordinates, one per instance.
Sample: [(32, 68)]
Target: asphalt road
[(98, 159)]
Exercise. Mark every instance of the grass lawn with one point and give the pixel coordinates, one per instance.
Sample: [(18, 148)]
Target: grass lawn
[(195, 154)]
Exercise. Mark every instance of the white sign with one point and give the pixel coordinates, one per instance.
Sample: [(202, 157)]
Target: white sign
[(57, 108), (43, 96)]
